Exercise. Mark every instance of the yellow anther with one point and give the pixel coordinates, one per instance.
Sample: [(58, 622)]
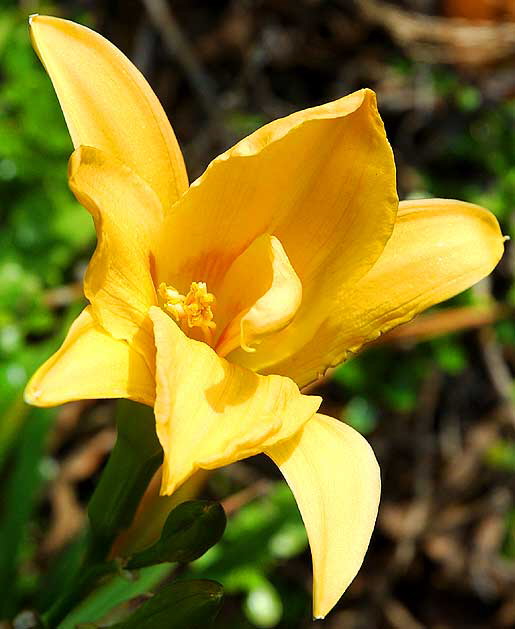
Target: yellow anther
[(193, 308)]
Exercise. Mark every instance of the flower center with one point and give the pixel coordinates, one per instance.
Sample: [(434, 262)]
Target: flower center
[(194, 309)]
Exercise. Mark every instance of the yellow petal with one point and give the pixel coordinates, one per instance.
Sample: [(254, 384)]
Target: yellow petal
[(260, 294), (438, 248), (108, 104), (335, 479), (126, 212), (321, 180), (210, 412), (91, 364)]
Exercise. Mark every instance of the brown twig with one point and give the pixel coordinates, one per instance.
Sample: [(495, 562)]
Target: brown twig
[(180, 49), (243, 497), (446, 321), (437, 39), (498, 371)]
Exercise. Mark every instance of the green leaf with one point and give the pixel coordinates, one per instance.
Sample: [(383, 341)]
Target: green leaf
[(115, 592), (181, 605), (19, 499), (61, 569), (190, 529), (13, 419)]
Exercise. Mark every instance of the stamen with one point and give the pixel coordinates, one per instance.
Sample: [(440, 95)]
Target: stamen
[(194, 309)]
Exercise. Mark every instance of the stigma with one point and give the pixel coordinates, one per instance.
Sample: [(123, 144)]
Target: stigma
[(193, 309)]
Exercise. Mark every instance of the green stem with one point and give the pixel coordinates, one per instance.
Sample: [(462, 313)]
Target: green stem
[(81, 586), (135, 458)]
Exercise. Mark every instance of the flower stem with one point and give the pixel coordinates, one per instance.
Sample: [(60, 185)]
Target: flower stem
[(135, 458), (84, 582)]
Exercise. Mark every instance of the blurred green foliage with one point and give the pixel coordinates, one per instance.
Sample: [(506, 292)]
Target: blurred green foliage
[(44, 233), (258, 538), (375, 378), (501, 455)]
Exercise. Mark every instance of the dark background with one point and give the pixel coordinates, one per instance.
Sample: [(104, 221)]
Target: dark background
[(436, 398)]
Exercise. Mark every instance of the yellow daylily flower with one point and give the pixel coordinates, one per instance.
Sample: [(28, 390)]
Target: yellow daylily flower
[(214, 303)]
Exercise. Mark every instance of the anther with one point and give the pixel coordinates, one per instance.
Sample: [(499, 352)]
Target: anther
[(194, 308)]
